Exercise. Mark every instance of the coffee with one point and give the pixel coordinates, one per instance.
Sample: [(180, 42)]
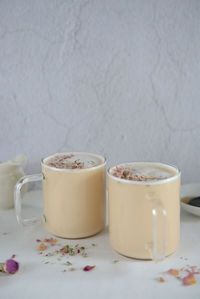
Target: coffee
[(74, 194), (137, 191)]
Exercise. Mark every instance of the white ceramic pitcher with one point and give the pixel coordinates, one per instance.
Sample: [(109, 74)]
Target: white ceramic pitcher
[(10, 172)]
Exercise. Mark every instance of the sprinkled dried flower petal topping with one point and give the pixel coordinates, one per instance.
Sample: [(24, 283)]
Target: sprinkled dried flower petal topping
[(62, 161), (88, 268), (136, 173), (77, 164)]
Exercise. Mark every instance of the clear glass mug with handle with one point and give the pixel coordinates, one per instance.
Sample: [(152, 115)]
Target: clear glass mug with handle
[(74, 198), (144, 212)]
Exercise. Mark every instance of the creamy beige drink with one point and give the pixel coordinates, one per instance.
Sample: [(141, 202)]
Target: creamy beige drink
[(144, 209), (74, 194)]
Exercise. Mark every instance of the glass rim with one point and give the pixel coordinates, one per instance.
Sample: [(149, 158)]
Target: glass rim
[(162, 181), (104, 160)]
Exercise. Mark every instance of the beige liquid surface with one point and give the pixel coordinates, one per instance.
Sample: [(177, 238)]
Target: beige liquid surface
[(131, 223), (73, 161), (74, 198)]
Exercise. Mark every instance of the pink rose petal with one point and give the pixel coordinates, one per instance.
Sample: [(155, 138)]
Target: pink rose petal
[(88, 268), (189, 280)]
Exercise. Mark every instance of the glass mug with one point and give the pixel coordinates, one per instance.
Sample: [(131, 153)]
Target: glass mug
[(74, 199), (144, 216)]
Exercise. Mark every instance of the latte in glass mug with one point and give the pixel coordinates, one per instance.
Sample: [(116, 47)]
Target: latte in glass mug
[(144, 209), (73, 193)]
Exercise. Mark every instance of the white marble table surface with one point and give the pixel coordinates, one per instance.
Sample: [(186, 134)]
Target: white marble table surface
[(128, 278)]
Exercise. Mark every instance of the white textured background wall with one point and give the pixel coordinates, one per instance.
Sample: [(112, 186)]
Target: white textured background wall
[(116, 77)]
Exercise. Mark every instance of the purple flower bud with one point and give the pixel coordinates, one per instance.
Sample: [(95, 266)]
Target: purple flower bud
[(11, 266)]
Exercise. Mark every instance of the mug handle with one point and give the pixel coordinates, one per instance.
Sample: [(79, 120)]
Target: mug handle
[(159, 252), (18, 199)]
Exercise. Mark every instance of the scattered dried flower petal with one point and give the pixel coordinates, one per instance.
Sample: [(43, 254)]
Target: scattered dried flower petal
[(42, 247), (72, 269), (173, 272), (88, 268), (68, 263), (161, 279), (45, 240), (51, 240), (185, 274), (189, 280)]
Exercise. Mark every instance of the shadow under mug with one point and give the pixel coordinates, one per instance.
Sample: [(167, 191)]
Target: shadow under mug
[(74, 199), (144, 216)]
